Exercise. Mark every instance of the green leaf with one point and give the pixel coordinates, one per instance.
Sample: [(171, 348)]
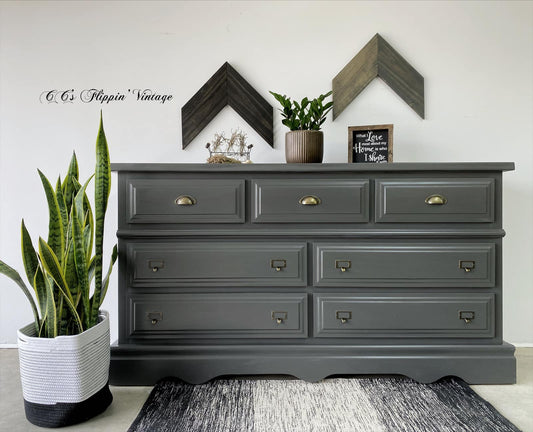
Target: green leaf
[(114, 255), (79, 201), (81, 266), (56, 238), (52, 267), (62, 207), (29, 256), (39, 286), (102, 188), (68, 184), (51, 312), (15, 277), (69, 268)]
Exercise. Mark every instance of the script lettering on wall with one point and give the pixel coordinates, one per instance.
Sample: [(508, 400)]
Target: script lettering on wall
[(226, 87), (378, 59)]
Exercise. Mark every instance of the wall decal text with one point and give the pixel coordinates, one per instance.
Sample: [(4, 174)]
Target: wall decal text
[(100, 96)]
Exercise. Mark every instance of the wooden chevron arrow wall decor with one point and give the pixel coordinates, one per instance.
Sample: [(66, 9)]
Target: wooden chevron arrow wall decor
[(378, 59), (226, 87)]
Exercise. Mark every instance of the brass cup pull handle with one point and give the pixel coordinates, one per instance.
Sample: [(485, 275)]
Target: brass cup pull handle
[(309, 200), (344, 320), (185, 200), (154, 321), (436, 200), (279, 320)]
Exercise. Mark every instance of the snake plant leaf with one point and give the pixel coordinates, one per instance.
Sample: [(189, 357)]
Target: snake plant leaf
[(69, 269), (51, 264), (81, 266), (29, 256), (52, 267), (56, 239), (39, 286), (79, 201), (89, 223), (114, 255), (92, 267), (68, 185), (62, 207), (102, 189), (15, 277), (51, 312), (87, 239)]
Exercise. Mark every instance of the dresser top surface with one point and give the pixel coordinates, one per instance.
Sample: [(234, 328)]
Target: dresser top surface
[(322, 167)]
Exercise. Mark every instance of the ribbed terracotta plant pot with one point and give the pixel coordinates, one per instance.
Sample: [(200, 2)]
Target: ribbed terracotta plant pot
[(304, 146)]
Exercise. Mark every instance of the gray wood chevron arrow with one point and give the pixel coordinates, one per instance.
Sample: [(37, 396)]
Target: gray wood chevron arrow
[(378, 59), (226, 87)]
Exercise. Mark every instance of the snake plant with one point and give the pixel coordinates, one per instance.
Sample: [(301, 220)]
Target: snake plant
[(62, 270)]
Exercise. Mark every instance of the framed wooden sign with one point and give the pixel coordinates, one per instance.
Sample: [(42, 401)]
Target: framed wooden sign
[(370, 144)]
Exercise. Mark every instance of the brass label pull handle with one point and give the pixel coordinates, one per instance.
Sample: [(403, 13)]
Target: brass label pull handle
[(278, 264), (185, 200), (436, 200), (309, 200), (279, 317), (467, 266), (467, 316), (343, 265), (156, 265), (154, 317), (343, 316)]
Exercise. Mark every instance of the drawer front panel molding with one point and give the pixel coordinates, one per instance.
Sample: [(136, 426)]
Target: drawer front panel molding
[(440, 316), (435, 200), (219, 316), (175, 201), (218, 263), (309, 200), (404, 265), (311, 270)]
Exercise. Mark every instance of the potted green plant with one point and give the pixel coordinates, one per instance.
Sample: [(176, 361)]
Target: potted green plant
[(304, 143), (64, 353)]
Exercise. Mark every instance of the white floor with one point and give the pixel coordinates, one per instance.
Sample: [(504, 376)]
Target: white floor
[(514, 401)]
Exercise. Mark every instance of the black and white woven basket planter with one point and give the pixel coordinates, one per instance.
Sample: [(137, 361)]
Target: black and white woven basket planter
[(65, 380)]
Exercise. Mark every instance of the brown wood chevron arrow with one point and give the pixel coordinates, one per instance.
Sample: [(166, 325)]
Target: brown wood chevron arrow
[(378, 59), (226, 87)]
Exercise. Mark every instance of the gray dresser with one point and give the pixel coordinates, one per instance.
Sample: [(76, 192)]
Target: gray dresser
[(310, 270)]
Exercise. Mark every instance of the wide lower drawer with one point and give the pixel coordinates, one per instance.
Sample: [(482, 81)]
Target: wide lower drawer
[(404, 315), (218, 263), (218, 315), (405, 265), (435, 200), (310, 200), (172, 201)]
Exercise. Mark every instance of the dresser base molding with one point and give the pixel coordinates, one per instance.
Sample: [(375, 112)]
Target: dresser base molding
[(476, 364)]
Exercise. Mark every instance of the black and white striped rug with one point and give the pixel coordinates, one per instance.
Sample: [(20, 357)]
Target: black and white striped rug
[(338, 405)]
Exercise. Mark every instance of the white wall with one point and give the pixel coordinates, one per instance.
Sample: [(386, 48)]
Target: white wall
[(476, 58)]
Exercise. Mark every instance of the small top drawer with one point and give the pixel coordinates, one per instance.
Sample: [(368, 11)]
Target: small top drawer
[(310, 200), (435, 200), (170, 201)]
